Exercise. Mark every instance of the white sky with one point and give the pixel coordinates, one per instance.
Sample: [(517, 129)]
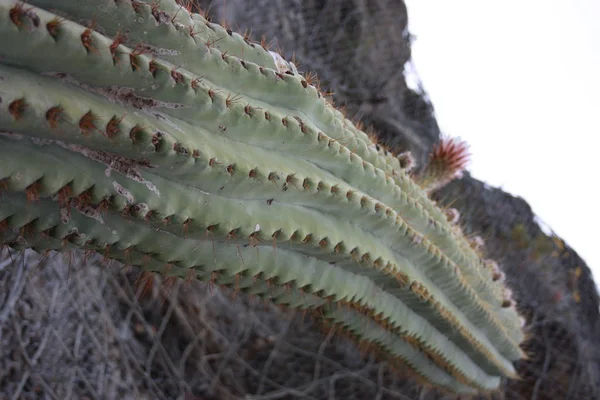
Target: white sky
[(519, 81)]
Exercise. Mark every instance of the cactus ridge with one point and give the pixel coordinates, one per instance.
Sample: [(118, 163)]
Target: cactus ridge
[(177, 103), (140, 241), (360, 203), (491, 294), (203, 207), (192, 162)]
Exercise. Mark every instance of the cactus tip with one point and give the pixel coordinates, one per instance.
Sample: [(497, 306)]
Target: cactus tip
[(452, 155), (447, 162)]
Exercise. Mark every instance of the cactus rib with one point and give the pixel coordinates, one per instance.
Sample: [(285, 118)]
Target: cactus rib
[(93, 71), (397, 231), (203, 98), (198, 207), (178, 251)]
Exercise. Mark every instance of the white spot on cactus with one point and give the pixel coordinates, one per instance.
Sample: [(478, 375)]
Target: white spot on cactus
[(499, 277), (65, 218), (283, 65), (477, 242), (452, 215), (76, 235), (123, 192), (120, 95), (87, 210), (123, 165), (141, 209), (161, 17), (522, 322), (151, 187), (416, 238), (256, 227), (494, 268), (159, 51), (12, 135), (41, 142), (168, 121), (491, 265), (35, 140)]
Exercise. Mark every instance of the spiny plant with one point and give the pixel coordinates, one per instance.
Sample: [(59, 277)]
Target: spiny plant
[(146, 133)]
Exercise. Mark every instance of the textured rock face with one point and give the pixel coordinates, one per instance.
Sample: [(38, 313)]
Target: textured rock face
[(203, 343)]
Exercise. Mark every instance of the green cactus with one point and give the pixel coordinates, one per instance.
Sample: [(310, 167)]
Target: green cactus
[(145, 133)]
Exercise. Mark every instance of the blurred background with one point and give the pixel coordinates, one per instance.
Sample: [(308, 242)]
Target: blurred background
[(519, 81)]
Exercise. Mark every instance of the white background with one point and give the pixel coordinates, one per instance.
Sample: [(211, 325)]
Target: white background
[(519, 81)]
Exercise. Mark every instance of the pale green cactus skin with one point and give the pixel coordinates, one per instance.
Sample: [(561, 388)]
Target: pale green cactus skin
[(161, 140)]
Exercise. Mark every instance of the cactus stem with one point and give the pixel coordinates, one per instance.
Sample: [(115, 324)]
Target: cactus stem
[(193, 166)]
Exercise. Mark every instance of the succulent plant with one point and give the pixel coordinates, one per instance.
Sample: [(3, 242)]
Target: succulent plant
[(146, 133)]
